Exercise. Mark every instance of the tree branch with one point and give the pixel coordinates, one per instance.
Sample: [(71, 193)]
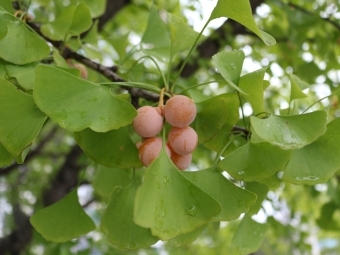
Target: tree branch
[(66, 178), (301, 9), (112, 8)]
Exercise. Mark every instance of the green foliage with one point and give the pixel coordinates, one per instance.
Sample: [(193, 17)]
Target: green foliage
[(118, 222), (169, 204), (20, 119), (75, 103), (269, 140), (63, 220), (99, 147), (20, 46)]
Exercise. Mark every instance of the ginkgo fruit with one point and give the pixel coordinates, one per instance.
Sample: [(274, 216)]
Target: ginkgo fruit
[(148, 122), (182, 162), (180, 111), (182, 140), (150, 149)]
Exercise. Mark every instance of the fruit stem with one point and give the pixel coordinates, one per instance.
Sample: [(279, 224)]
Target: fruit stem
[(161, 99), (243, 117)]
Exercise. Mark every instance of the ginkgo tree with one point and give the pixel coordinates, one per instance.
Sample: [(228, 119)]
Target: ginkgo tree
[(72, 77)]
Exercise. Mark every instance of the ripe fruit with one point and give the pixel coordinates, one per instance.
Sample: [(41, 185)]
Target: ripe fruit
[(180, 111), (182, 140), (148, 122), (182, 162), (150, 149)]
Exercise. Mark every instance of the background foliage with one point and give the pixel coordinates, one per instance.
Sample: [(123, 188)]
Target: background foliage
[(60, 146)]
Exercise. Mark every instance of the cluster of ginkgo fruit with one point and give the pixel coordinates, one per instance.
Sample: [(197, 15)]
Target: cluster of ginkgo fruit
[(179, 111)]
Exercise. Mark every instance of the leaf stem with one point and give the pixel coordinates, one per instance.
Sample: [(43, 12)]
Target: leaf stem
[(198, 85), (243, 117), (158, 68), (318, 101), (187, 57), (221, 152)]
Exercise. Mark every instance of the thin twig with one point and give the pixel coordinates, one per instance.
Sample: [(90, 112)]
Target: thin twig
[(301, 9)]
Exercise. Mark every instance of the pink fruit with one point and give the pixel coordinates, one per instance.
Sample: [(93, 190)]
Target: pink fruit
[(182, 162), (150, 149), (148, 121), (180, 111), (182, 140)]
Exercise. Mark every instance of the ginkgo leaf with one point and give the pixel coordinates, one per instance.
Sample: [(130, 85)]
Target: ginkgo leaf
[(76, 104), (318, 161), (74, 20), (182, 36), (63, 220), (113, 148), (117, 222), (240, 11), (250, 162), (296, 87), (156, 37), (169, 204), (233, 200), (20, 119), (24, 74), (260, 191), (5, 157), (3, 29), (20, 45), (106, 178), (186, 238), (249, 236), (252, 86), (290, 132), (229, 64), (209, 122)]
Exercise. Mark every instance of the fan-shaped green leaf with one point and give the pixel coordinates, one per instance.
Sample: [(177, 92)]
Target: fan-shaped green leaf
[(216, 112), (96, 7), (156, 38), (326, 219), (240, 11), (182, 36), (63, 220), (249, 236), (24, 74), (186, 238), (260, 191), (113, 148), (20, 119), (3, 29), (76, 104), (20, 45), (318, 161), (229, 64), (169, 204), (251, 161), (296, 87), (74, 20), (290, 132), (5, 157), (233, 200), (118, 224), (252, 85), (7, 5), (106, 178)]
